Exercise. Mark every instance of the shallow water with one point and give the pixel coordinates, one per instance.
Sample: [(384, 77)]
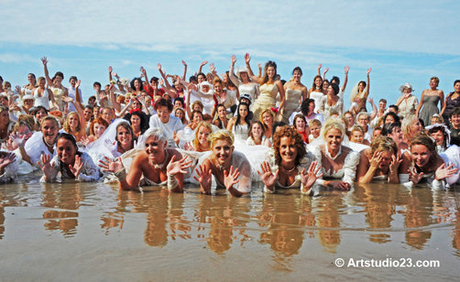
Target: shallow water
[(92, 231)]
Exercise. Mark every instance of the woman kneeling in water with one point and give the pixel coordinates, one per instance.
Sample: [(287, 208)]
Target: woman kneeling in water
[(229, 167), (159, 165)]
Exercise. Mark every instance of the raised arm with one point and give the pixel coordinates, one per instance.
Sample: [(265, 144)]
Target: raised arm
[(368, 82), (184, 76), (231, 73), (110, 74), (113, 99), (47, 74), (201, 66), (247, 59), (374, 108), (144, 73), (163, 75), (324, 73), (345, 81), (319, 69)]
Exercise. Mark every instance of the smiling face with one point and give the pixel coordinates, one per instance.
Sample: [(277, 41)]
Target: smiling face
[(288, 150), (222, 150), (40, 114), (163, 114), (218, 87), (203, 134), (357, 137), (457, 87), (50, 131), (244, 77), (297, 76), (325, 86), (99, 129), (318, 82), (87, 113), (197, 118), (243, 111), (256, 130), (433, 84), (107, 115), (334, 139), (73, 121), (416, 127), (135, 120), (124, 137), (420, 155), (267, 119), (221, 112), (315, 130), (455, 119), (330, 90), (4, 118), (299, 124), (154, 148), (179, 114), (361, 87), (271, 72), (438, 136), (23, 130), (66, 151)]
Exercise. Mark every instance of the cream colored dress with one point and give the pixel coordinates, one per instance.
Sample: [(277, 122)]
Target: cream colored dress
[(266, 100), (291, 103), (58, 93)]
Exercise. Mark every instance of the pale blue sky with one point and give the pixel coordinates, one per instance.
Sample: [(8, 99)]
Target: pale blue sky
[(401, 40)]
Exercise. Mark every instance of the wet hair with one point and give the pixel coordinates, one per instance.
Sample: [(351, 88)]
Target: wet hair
[(154, 132), (195, 142), (162, 102), (267, 65), (288, 131), (99, 120), (428, 142), (384, 143), (221, 135), (305, 105), (297, 69), (68, 137), (332, 123), (395, 117)]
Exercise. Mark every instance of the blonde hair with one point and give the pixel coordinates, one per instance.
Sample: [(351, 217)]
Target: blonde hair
[(332, 123), (195, 142), (79, 130), (221, 135), (314, 122), (406, 126), (383, 143), (270, 112)]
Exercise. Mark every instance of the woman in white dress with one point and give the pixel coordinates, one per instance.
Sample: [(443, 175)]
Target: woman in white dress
[(331, 102), (243, 82), (55, 84), (296, 93), (289, 164), (240, 124), (316, 92), (338, 163), (43, 96)]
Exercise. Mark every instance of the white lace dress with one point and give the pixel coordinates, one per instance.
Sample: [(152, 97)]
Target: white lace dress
[(347, 173)]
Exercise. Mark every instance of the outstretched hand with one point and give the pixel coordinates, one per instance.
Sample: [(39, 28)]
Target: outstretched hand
[(76, 167), (247, 58), (231, 177), (174, 167), (267, 176), (108, 165), (414, 176), (233, 59), (6, 159), (45, 165), (444, 171), (369, 71), (204, 178), (308, 178), (44, 61)]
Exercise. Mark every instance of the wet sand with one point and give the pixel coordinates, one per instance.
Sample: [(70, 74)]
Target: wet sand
[(93, 232)]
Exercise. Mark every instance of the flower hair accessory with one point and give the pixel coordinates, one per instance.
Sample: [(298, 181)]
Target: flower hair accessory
[(275, 110)]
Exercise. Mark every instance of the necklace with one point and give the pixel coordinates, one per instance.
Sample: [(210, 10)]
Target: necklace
[(289, 170), (162, 165), (47, 144)]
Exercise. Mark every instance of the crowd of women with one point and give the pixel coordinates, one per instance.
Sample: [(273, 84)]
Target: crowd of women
[(228, 131)]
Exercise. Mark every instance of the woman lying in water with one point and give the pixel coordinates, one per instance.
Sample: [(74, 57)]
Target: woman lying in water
[(427, 165), (68, 161), (289, 164), (157, 164), (380, 161), (229, 167)]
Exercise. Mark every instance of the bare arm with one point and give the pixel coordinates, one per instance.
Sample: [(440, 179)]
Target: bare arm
[(231, 73), (201, 66), (374, 108), (368, 83), (366, 170), (282, 94), (47, 74), (144, 73), (184, 75), (441, 95), (247, 59), (420, 104), (110, 74), (345, 81), (163, 75), (319, 69)]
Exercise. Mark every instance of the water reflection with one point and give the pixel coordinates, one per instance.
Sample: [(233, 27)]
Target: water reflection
[(327, 210)]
